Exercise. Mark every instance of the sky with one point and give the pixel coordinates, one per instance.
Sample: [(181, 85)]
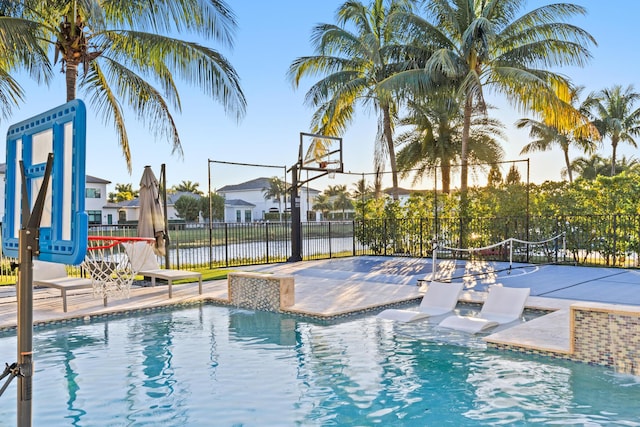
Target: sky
[(269, 37)]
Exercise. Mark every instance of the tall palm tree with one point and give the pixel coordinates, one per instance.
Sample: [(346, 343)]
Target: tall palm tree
[(353, 63), (485, 45), (434, 139), (582, 135), (20, 49), (615, 117), (130, 58)]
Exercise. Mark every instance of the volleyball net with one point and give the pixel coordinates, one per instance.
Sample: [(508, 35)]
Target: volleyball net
[(511, 250)]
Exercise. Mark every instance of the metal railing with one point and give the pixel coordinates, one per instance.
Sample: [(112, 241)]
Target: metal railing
[(605, 240)]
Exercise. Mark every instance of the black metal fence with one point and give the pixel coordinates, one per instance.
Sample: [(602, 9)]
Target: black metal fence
[(606, 240)]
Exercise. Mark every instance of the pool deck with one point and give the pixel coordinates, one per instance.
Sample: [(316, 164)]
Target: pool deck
[(339, 287)]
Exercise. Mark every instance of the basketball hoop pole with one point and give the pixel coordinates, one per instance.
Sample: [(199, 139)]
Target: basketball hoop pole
[(296, 223), (29, 244)]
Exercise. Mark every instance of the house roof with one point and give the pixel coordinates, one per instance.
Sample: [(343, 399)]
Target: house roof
[(238, 203), (254, 184), (259, 184), (405, 191), (95, 180)]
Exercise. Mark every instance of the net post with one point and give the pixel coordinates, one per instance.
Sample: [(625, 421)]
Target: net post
[(434, 257)]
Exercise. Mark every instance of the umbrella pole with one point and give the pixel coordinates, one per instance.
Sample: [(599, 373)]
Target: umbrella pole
[(163, 186)]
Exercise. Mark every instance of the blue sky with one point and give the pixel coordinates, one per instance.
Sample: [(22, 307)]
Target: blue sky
[(270, 36)]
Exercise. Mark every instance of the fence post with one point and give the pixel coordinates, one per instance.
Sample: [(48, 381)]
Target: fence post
[(226, 244), (266, 234), (353, 237)]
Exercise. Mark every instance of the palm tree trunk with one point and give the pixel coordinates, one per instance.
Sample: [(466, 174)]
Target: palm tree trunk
[(568, 163), (614, 145), (388, 136), (446, 177), (71, 77), (464, 151)]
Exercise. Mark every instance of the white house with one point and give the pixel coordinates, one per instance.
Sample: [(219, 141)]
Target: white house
[(245, 202), (129, 210), (95, 198)]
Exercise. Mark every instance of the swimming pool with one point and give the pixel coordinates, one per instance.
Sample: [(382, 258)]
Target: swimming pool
[(220, 366)]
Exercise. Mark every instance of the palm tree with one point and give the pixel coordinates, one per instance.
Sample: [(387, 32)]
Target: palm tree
[(582, 135), (276, 191), (339, 197), (353, 65), (188, 187), (589, 168), (361, 190), (435, 138), (614, 116), (19, 49), (323, 204), (483, 45), (129, 58)]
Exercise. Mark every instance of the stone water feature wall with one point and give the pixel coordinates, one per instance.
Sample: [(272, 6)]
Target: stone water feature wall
[(260, 291), (606, 334)]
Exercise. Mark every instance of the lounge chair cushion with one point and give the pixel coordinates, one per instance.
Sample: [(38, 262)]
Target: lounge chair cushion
[(503, 305), (440, 298)]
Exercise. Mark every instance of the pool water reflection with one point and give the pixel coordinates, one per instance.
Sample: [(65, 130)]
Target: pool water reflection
[(210, 365)]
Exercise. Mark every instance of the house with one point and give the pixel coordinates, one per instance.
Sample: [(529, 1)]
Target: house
[(245, 202), (95, 198), (128, 211)]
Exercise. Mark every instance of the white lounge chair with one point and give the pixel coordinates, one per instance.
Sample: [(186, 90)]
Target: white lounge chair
[(144, 262), (54, 275), (503, 305), (440, 298)]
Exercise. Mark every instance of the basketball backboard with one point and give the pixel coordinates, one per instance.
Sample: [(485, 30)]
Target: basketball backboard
[(64, 223), (320, 153)]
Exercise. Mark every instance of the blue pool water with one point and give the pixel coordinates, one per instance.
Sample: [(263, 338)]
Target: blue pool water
[(218, 366)]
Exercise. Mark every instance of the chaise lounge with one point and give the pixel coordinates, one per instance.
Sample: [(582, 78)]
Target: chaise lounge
[(54, 275), (144, 262), (440, 298), (503, 305)]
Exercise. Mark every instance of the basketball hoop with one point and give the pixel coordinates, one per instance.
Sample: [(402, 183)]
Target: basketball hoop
[(331, 173), (108, 265)]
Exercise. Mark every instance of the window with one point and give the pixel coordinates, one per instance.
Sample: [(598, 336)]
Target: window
[(238, 215), (95, 217), (247, 216), (92, 193)]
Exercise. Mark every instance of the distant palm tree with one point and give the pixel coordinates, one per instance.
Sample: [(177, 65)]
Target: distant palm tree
[(130, 58), (435, 139), (615, 117), (123, 192), (362, 191), (589, 168), (276, 191), (483, 45), (353, 64), (188, 187), (323, 204)]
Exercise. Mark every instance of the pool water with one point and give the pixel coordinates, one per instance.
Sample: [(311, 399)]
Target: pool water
[(219, 366)]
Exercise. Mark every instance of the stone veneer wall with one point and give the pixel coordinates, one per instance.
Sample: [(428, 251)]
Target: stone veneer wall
[(260, 291)]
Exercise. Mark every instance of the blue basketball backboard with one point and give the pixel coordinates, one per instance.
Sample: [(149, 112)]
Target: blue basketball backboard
[(64, 224)]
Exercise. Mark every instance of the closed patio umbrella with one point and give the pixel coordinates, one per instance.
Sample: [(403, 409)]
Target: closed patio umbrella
[(151, 218)]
